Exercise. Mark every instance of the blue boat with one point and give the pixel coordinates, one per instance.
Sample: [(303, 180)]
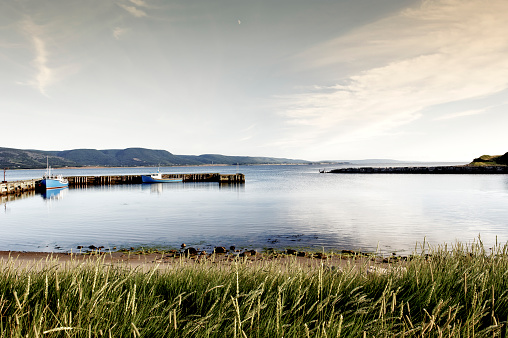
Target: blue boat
[(50, 181), (157, 178), (54, 182)]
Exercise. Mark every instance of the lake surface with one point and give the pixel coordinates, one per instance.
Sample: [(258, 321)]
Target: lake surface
[(278, 206)]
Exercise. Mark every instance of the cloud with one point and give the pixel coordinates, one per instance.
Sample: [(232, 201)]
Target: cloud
[(469, 112), (44, 74), (247, 133), (138, 13), (461, 114), (441, 51), (139, 3), (118, 32)]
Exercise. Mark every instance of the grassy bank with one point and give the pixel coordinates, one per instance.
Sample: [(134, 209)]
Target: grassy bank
[(462, 291)]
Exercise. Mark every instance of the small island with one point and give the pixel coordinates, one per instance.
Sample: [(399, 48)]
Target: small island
[(490, 160)]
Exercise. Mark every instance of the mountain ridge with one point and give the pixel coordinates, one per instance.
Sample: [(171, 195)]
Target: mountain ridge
[(128, 157)]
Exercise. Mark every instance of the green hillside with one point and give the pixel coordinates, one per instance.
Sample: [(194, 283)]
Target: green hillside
[(130, 157), (30, 159), (243, 160), (83, 157), (490, 160)]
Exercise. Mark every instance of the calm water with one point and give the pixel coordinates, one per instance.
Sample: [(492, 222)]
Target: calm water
[(278, 206)]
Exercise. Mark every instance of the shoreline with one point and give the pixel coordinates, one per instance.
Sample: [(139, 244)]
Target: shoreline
[(180, 166), (317, 163), (270, 297), (169, 260)]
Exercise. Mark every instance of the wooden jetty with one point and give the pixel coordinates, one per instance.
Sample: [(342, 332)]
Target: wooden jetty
[(136, 179), (16, 187)]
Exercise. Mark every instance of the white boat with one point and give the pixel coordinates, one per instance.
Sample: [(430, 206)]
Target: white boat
[(157, 178)]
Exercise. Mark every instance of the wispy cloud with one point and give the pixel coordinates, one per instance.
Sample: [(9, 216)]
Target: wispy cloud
[(441, 51), (139, 3), (118, 32), (469, 112), (461, 114), (44, 75), (138, 13), (248, 132)]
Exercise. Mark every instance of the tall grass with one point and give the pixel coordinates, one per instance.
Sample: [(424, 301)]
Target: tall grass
[(461, 292)]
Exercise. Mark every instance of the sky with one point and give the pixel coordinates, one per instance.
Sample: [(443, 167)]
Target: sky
[(422, 80)]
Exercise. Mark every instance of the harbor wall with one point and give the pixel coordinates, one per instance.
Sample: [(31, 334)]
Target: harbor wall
[(136, 179), (422, 170), (17, 187)]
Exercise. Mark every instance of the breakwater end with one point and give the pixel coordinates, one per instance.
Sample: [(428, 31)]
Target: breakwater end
[(17, 187), (422, 170)]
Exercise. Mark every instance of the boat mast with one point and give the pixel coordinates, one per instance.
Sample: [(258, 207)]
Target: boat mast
[(48, 169)]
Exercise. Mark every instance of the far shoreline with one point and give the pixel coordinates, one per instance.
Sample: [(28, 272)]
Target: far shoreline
[(388, 164)]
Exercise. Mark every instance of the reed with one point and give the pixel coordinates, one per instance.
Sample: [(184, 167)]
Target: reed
[(461, 291)]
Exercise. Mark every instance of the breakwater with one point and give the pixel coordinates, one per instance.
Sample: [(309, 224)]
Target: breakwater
[(422, 170), (16, 187), (136, 179)]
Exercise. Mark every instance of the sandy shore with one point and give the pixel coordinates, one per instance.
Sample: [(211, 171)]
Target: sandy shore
[(146, 261)]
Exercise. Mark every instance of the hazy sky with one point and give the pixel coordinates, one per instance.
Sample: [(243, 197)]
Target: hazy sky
[(316, 80)]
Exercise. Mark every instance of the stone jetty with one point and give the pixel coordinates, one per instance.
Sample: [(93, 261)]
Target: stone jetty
[(17, 187), (422, 170)]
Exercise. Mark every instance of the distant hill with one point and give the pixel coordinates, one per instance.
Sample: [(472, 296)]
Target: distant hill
[(231, 160), (130, 157), (490, 160), (30, 159)]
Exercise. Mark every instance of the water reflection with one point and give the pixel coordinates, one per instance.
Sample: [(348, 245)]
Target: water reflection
[(18, 196), (159, 188), (54, 194), (232, 186), (155, 188)]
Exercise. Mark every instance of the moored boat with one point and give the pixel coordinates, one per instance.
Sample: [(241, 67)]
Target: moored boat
[(157, 178), (50, 181), (54, 182)]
